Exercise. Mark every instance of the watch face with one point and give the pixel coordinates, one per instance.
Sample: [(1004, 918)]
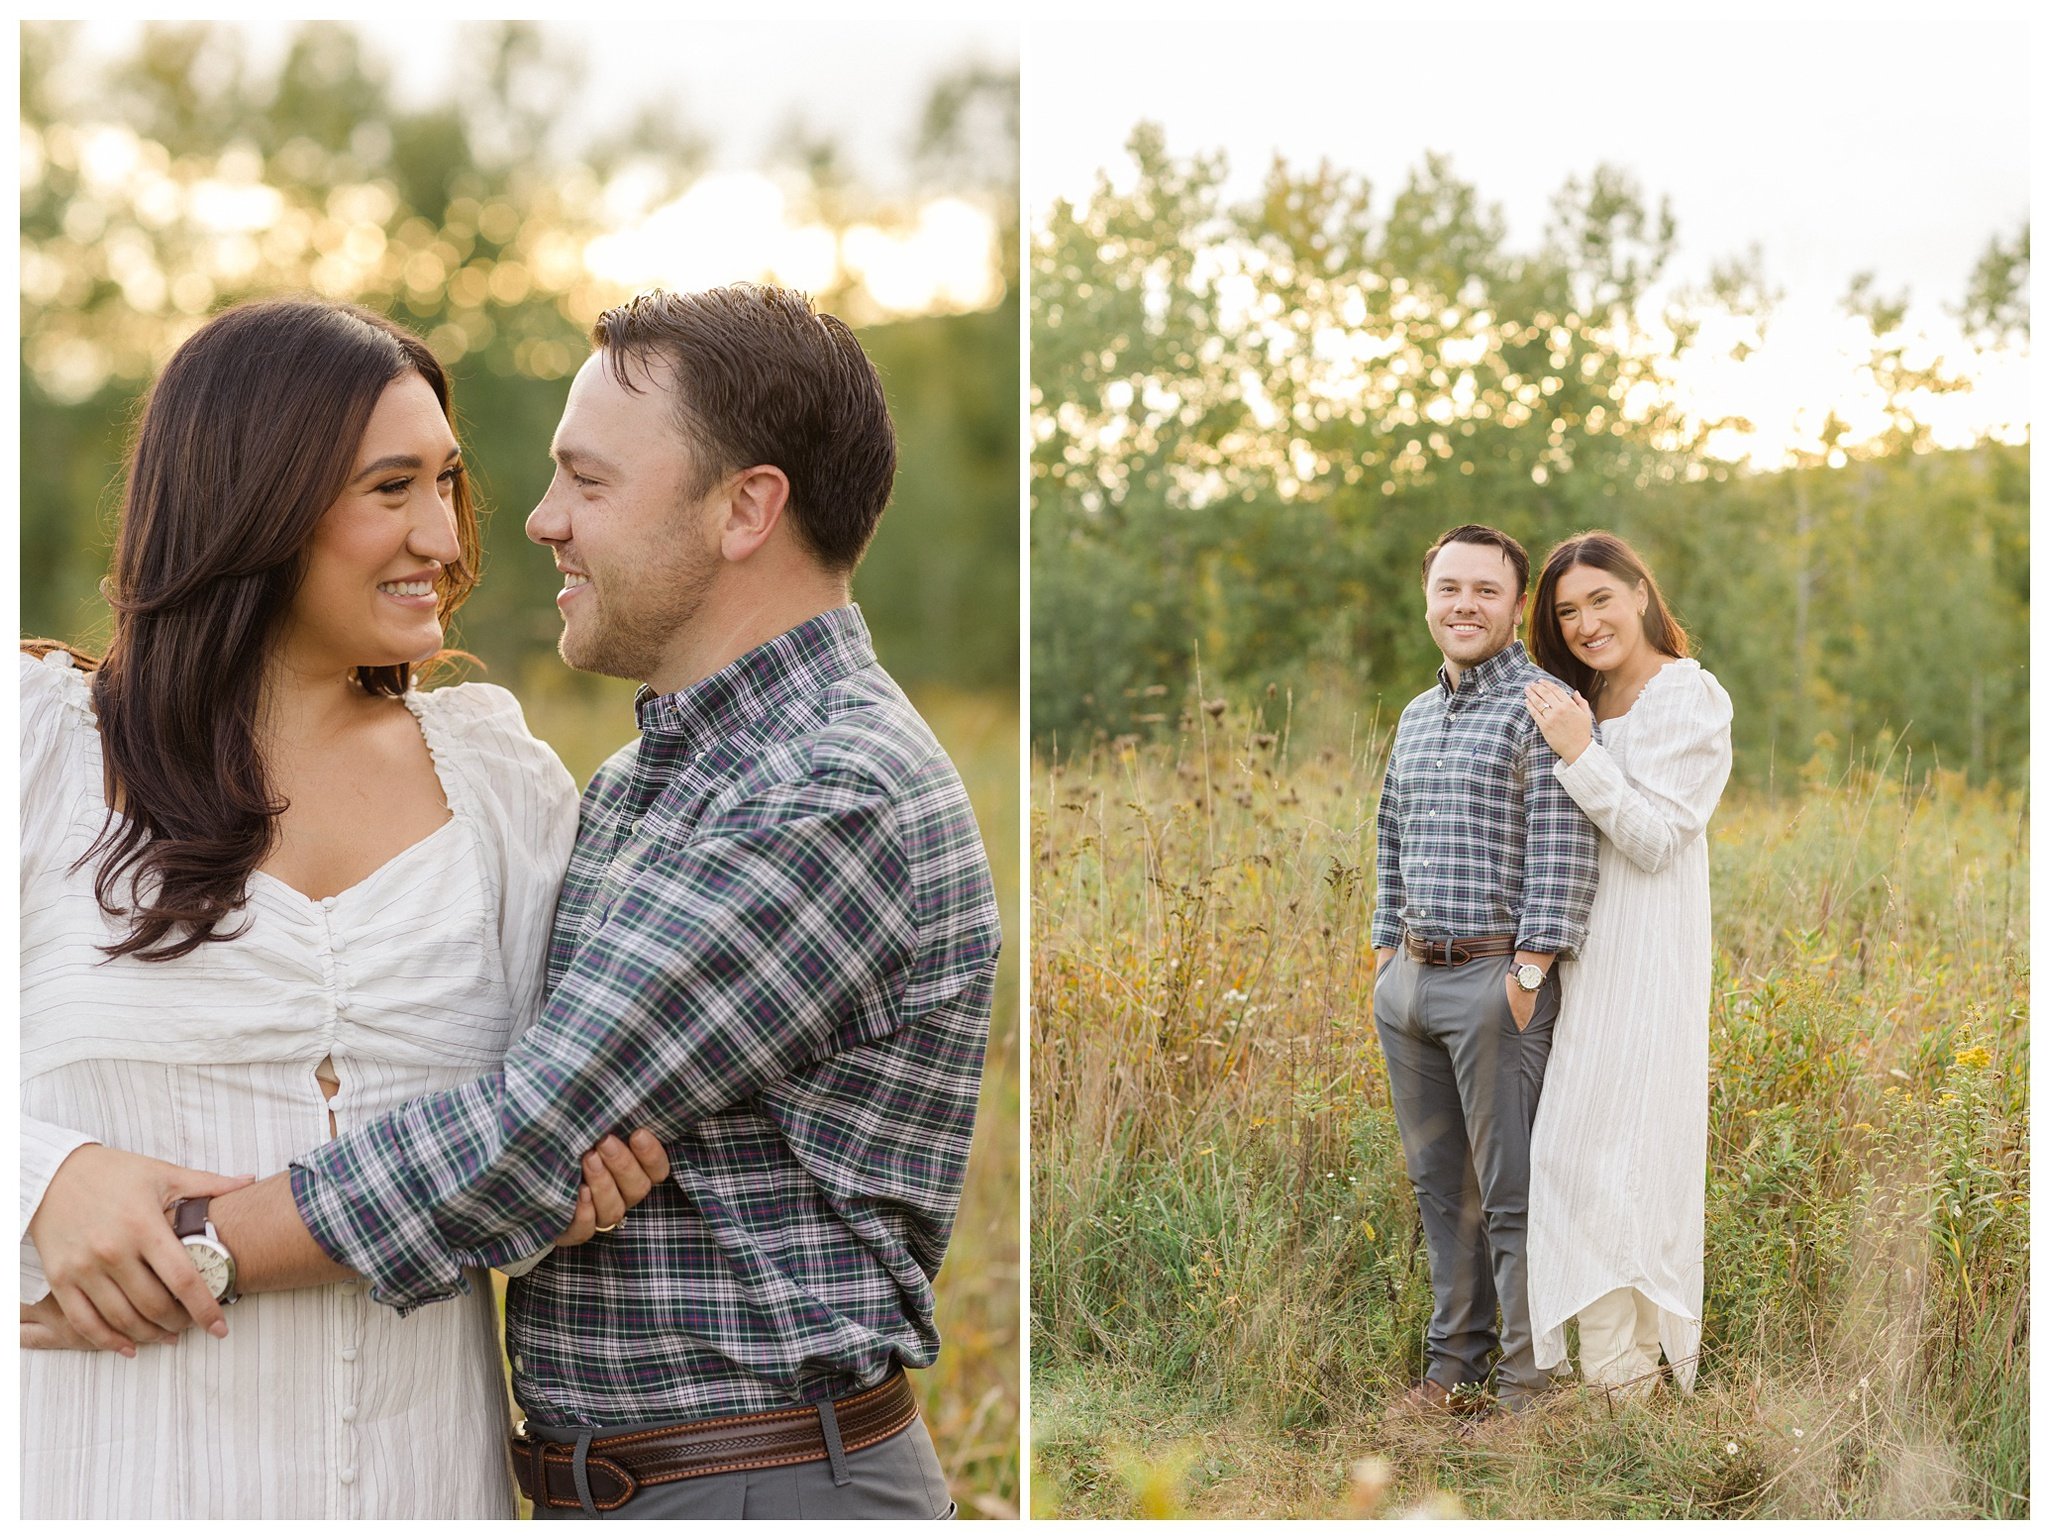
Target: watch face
[(212, 1263), (1530, 975)]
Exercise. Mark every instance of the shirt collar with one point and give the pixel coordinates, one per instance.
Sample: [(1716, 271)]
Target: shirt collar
[(796, 665), (1487, 674)]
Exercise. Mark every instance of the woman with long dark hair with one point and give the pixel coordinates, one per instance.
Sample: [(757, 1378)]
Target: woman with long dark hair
[(270, 889), (1619, 1151)]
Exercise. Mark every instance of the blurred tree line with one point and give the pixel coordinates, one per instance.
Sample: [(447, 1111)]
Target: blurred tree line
[(1250, 420), (183, 178)]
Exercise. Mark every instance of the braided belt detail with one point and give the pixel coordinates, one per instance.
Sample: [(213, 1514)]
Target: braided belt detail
[(619, 1466)]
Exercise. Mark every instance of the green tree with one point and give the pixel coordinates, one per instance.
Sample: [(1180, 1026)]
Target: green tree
[(1250, 419), (181, 178)]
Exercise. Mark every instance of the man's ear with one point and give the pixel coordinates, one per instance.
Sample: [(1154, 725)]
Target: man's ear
[(753, 510)]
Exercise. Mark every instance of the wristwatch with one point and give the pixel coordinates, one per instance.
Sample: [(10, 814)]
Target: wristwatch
[(1529, 977), (205, 1249)]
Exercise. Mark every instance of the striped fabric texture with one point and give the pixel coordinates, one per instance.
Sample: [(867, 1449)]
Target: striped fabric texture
[(1475, 837), (317, 1404), (1619, 1156), (776, 947)]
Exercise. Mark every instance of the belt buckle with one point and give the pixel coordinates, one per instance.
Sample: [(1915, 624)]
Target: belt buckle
[(537, 1470)]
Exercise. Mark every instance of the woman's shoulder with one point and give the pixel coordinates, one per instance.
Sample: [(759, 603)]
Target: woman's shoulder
[(56, 720), (482, 728), (469, 706), (1684, 691), (56, 699), (55, 676)]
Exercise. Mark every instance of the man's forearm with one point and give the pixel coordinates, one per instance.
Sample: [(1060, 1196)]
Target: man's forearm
[(272, 1247)]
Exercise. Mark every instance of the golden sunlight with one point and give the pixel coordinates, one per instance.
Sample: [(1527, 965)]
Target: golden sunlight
[(1806, 387), (739, 225)]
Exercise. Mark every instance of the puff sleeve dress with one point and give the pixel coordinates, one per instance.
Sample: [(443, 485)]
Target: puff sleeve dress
[(319, 1403), (1619, 1150)]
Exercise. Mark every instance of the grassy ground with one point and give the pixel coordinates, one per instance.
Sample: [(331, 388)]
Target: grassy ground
[(971, 1396), (1228, 1280)]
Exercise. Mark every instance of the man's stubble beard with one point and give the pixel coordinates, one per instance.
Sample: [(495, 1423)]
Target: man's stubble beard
[(629, 637), (1489, 646)]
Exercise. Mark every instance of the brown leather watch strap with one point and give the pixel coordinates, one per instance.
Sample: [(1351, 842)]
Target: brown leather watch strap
[(188, 1217)]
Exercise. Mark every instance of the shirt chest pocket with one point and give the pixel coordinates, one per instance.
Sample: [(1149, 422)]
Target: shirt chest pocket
[(1466, 772), (1491, 749)]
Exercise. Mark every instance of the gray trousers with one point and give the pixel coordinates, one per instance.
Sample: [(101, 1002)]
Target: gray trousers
[(898, 1478), (1465, 1084)]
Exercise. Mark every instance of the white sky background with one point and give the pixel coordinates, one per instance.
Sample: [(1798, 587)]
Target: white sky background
[(1891, 140)]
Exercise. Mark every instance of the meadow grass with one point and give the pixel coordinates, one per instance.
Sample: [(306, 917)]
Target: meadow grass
[(971, 1397), (1228, 1278)]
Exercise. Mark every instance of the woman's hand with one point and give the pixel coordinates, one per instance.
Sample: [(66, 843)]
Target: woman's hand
[(616, 1178), (1564, 718), (117, 1272)]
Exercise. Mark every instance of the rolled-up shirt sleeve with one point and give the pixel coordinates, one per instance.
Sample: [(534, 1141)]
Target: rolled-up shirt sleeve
[(1560, 860), (762, 945)]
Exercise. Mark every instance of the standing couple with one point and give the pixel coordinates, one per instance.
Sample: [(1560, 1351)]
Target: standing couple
[(284, 911), (1541, 931)]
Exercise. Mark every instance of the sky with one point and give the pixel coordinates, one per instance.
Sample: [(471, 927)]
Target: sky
[(740, 83), (1837, 142)]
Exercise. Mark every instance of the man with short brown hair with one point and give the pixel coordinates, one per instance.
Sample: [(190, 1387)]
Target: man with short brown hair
[(775, 947), (1485, 874)]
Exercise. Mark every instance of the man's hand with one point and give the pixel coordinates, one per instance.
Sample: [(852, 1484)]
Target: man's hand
[(1523, 1002), (1381, 956), (117, 1271), (616, 1178)]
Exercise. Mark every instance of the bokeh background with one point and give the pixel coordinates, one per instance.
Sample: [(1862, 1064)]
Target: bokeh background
[(1751, 289), (494, 187)]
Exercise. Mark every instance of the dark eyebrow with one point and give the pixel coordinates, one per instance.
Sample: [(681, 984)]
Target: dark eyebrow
[(400, 463), (569, 459)]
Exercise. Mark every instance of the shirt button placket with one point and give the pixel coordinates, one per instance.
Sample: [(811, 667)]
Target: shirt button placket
[(352, 1316)]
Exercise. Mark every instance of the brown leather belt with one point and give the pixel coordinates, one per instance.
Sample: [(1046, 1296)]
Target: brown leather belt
[(1452, 953), (618, 1466)]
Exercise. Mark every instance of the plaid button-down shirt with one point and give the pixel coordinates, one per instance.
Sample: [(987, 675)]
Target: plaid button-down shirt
[(1475, 835), (776, 947)]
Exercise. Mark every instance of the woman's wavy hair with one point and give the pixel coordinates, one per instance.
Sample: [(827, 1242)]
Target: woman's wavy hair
[(248, 437), (1612, 554)]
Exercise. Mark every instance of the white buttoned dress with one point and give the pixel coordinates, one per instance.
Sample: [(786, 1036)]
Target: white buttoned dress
[(1619, 1150), (319, 1403)]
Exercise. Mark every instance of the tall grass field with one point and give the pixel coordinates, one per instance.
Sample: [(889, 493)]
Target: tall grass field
[(1228, 1276)]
